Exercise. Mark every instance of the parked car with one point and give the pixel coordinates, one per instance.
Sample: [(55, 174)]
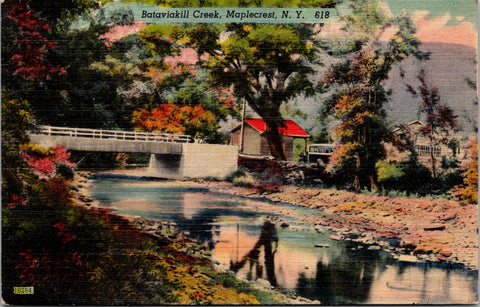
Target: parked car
[(319, 153)]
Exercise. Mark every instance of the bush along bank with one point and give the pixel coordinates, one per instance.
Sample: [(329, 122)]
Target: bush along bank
[(56, 250)]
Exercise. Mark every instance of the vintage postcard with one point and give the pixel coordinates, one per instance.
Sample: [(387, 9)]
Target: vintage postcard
[(231, 152)]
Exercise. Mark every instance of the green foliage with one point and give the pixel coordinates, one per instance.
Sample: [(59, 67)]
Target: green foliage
[(416, 176), (452, 163), (235, 3), (344, 178), (80, 260), (298, 148), (412, 177), (16, 120), (60, 12), (322, 138), (388, 170)]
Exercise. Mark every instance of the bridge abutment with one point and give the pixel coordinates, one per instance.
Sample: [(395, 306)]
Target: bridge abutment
[(196, 161), (165, 166)]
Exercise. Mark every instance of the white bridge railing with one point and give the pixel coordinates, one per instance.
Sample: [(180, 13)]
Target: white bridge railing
[(113, 134)]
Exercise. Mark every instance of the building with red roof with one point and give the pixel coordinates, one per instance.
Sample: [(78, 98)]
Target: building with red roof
[(255, 141)]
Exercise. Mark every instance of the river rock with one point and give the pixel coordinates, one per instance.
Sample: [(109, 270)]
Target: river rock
[(435, 227)]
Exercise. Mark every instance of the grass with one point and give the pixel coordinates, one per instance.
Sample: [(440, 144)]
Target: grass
[(397, 193)]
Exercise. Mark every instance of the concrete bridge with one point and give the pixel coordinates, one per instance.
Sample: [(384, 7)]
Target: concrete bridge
[(173, 156)]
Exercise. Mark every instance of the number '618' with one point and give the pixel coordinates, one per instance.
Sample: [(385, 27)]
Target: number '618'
[(322, 14)]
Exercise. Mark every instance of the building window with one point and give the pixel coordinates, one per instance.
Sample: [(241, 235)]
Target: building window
[(424, 151)]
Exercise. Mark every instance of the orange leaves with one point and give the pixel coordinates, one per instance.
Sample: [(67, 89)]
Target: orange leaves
[(469, 190), (171, 118)]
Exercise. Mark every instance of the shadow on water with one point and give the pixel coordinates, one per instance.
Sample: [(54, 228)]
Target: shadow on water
[(341, 280), (201, 225), (267, 237)]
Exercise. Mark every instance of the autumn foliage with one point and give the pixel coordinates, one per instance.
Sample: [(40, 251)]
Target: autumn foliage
[(30, 47), (172, 118), (469, 190)]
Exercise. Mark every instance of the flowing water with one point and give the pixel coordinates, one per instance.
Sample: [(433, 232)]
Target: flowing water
[(293, 256)]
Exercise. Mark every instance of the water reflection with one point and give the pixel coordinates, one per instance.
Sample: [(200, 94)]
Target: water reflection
[(346, 279), (267, 236), (339, 274)]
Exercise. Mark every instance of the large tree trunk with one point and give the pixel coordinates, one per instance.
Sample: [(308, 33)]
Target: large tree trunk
[(275, 140)]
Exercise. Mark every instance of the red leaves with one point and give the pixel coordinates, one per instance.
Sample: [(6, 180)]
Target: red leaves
[(17, 201), (44, 168), (439, 117), (48, 266), (191, 270), (43, 165), (28, 266), (198, 296), (62, 155), (30, 46), (63, 235), (60, 225), (229, 102), (56, 263)]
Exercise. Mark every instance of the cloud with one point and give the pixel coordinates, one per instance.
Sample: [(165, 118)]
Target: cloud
[(435, 29)]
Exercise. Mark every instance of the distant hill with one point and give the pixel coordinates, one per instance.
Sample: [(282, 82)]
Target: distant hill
[(449, 68)]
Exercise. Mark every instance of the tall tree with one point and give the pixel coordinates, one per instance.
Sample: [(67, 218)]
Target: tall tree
[(359, 99), (440, 120), (266, 65)]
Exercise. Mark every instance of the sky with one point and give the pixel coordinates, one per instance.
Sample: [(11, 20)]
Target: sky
[(447, 21)]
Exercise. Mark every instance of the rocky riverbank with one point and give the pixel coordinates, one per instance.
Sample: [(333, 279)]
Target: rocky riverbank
[(412, 229)]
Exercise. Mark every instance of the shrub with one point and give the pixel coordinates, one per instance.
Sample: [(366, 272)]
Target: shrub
[(235, 174), (409, 176), (245, 180)]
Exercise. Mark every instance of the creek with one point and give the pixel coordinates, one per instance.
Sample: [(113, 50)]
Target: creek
[(267, 242)]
